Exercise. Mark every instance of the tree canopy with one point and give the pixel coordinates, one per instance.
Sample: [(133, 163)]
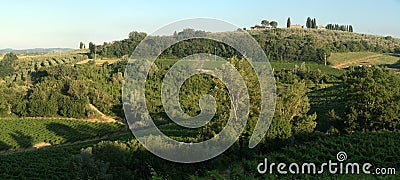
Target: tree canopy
[(373, 99), (6, 65)]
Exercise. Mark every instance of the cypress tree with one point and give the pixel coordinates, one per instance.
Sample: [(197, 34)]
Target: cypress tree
[(308, 24), (350, 28), (288, 24), (314, 23)]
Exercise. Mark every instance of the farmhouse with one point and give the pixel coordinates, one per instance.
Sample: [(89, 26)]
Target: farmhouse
[(257, 27), (296, 26)]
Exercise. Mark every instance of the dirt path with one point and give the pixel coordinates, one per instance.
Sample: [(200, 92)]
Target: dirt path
[(42, 146), (103, 118), (354, 61)]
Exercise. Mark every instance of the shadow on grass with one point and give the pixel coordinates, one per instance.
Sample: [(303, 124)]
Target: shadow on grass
[(4, 146), (22, 140), (324, 100), (79, 132), (393, 66)]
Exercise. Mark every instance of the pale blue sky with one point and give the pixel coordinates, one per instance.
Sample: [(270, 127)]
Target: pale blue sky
[(62, 23)]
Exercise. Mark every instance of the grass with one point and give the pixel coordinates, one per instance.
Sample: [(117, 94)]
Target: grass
[(342, 60), (99, 62)]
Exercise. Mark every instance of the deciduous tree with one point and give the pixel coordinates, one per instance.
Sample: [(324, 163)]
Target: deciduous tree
[(265, 23), (273, 24)]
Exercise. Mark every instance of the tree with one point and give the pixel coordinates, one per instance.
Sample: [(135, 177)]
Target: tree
[(92, 49), (85, 166), (273, 24), (292, 105), (373, 99), (397, 50), (10, 57), (308, 23), (288, 23), (265, 23), (350, 28), (81, 45), (6, 65), (314, 24)]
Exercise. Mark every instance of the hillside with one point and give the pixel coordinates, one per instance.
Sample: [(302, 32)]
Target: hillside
[(334, 37), (49, 100), (280, 44), (29, 63), (343, 60)]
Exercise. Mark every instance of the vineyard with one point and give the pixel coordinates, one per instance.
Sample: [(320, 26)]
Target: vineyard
[(27, 132), (27, 65), (323, 100), (51, 163)]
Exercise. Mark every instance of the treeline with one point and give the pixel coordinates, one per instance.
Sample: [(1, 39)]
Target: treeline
[(278, 44), (348, 28), (117, 49), (311, 23), (292, 47)]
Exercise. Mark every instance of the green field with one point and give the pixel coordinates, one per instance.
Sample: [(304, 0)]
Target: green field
[(24, 133), (342, 60)]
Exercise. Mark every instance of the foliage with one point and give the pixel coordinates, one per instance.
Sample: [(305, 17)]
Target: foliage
[(288, 23), (397, 50), (348, 28), (6, 65), (242, 162), (117, 48), (84, 166), (372, 99), (273, 24), (67, 91), (265, 23), (291, 110), (279, 44)]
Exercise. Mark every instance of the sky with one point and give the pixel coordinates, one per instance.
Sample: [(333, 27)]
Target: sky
[(65, 23)]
